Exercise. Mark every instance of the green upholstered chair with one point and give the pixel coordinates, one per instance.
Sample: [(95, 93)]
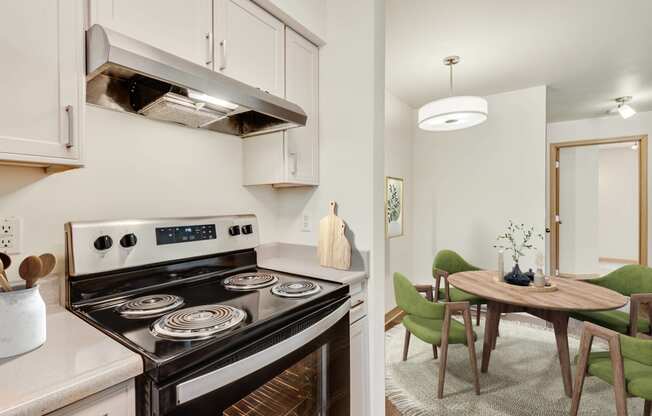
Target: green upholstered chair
[(448, 262), (432, 323), (627, 366), (634, 281)]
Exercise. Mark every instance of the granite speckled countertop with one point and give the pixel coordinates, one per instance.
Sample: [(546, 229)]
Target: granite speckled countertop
[(75, 362), (303, 260)]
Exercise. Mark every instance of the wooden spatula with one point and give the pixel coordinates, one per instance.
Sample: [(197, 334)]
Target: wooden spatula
[(30, 270), (49, 261)]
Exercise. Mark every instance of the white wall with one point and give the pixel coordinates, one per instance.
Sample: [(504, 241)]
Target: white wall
[(618, 203), (468, 183), (579, 210), (400, 122), (134, 168), (605, 127)]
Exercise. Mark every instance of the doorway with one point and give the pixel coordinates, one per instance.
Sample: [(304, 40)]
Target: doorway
[(598, 205)]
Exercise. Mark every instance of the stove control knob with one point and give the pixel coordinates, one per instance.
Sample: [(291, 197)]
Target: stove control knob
[(234, 230), (128, 240), (247, 229), (103, 243)]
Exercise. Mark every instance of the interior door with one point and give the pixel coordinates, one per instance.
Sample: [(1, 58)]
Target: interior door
[(42, 77), (250, 45), (598, 208), (181, 27), (302, 83)]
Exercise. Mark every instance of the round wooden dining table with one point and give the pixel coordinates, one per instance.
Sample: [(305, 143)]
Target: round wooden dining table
[(553, 307)]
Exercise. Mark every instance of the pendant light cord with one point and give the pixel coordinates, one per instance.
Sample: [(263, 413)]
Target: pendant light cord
[(451, 80)]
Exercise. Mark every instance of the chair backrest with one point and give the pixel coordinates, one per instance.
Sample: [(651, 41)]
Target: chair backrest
[(627, 280), (410, 301), (451, 262), (637, 349)]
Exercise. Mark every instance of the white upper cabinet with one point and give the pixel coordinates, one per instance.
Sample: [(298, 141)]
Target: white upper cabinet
[(290, 158), (301, 87), (249, 45), (180, 27), (42, 103)]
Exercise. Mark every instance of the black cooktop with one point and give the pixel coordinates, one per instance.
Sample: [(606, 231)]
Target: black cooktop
[(264, 310)]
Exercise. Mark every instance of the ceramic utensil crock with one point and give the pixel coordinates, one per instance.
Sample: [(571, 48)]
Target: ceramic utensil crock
[(22, 321)]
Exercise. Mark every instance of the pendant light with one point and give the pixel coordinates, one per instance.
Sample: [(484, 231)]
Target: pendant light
[(454, 112)]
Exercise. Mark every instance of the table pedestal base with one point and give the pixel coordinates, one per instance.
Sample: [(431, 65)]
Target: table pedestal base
[(559, 320)]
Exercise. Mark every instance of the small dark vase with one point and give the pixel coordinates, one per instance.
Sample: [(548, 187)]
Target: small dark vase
[(516, 277)]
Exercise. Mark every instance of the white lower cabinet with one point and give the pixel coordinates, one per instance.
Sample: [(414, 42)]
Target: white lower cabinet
[(119, 400), (359, 353)]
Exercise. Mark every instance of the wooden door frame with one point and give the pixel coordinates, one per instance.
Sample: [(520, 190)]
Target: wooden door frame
[(554, 193)]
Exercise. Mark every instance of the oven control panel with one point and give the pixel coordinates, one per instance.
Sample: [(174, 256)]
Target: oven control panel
[(101, 246), (185, 234)]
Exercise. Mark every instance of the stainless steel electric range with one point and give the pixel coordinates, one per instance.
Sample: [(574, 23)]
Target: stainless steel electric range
[(218, 336)]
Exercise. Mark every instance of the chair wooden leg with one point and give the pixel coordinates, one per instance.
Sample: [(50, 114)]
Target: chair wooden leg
[(406, 344), (444, 353), (582, 367), (434, 351), (495, 332), (470, 343), (477, 315), (647, 410), (618, 371)]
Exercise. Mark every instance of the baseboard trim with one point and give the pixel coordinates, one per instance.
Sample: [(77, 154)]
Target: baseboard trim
[(617, 260)]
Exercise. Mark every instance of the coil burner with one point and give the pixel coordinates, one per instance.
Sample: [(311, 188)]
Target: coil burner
[(298, 289), (149, 306), (197, 322), (249, 281)]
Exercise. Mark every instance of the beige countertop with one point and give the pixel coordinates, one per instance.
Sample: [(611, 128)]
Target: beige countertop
[(76, 361), (303, 260)]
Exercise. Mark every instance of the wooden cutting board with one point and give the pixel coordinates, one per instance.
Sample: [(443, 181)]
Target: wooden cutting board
[(334, 249)]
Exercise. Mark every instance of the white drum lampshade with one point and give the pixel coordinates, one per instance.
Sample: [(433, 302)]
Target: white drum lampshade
[(453, 113)]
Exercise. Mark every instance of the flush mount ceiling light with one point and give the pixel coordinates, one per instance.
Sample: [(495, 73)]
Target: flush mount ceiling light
[(622, 108), (454, 112)]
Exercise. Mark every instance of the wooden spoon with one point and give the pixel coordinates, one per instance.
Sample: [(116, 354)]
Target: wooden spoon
[(30, 270), (49, 262), (5, 262)]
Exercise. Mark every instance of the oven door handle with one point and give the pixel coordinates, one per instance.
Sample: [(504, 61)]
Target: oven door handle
[(196, 387)]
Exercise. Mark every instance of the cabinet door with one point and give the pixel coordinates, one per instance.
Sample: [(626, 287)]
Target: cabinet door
[(262, 159), (180, 27), (42, 75), (359, 354), (301, 87), (249, 45), (118, 400)]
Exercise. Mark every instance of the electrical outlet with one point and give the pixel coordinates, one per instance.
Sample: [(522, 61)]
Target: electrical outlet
[(306, 223), (10, 235)]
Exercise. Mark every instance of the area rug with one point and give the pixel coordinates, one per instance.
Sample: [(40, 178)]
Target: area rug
[(524, 377)]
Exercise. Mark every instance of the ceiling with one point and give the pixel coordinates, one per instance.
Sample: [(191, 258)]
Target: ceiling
[(587, 52)]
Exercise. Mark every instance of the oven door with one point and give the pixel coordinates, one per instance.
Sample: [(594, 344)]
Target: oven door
[(300, 370)]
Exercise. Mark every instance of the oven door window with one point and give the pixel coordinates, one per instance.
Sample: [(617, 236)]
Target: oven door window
[(299, 390), (312, 380)]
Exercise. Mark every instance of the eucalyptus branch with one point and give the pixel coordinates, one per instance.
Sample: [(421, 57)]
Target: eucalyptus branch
[(517, 240)]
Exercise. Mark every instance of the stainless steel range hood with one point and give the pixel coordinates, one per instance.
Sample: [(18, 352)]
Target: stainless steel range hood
[(125, 74)]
